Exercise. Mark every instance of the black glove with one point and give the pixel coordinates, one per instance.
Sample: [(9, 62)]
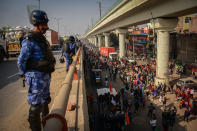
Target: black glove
[(21, 76), (23, 79), (48, 100)]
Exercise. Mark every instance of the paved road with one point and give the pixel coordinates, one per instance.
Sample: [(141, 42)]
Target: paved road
[(13, 102), (8, 74), (140, 120), (11, 90), (9, 70)]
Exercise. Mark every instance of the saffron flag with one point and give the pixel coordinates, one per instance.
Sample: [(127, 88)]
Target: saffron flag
[(110, 86), (127, 117)]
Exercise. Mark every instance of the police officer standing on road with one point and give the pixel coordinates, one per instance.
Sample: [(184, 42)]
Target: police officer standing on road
[(72, 45), (68, 51), (36, 63)]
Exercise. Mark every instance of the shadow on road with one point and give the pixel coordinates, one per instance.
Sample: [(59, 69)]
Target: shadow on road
[(9, 72)]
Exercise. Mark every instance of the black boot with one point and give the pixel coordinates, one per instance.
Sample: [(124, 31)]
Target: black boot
[(34, 117), (45, 110)]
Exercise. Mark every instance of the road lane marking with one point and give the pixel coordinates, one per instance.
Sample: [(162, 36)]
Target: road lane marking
[(12, 75)]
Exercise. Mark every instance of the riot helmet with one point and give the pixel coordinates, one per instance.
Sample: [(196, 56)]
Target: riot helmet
[(72, 38), (37, 17)]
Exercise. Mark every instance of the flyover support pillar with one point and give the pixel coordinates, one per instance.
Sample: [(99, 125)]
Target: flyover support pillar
[(92, 40), (95, 41), (99, 40), (163, 28), (106, 39), (122, 33)]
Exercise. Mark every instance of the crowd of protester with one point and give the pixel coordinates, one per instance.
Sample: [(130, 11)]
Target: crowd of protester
[(138, 80)]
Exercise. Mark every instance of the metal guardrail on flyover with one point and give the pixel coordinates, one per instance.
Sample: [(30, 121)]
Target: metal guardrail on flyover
[(56, 121)]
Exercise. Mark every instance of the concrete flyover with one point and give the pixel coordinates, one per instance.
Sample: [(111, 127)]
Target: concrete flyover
[(135, 12), (161, 13)]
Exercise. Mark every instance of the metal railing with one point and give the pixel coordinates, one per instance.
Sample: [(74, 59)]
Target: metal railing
[(55, 121)]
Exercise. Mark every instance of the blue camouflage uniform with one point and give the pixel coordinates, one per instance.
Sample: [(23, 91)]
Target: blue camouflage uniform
[(68, 55), (72, 47), (39, 82)]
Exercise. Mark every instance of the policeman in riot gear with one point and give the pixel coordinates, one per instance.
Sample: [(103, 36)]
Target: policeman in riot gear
[(72, 45), (36, 63), (68, 51)]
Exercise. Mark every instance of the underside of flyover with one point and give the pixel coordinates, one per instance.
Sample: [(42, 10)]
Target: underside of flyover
[(143, 13)]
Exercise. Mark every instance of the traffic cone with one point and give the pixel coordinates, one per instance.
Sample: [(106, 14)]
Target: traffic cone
[(75, 77), (127, 117), (78, 59)]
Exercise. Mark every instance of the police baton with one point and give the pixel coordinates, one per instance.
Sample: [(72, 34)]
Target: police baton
[(23, 82)]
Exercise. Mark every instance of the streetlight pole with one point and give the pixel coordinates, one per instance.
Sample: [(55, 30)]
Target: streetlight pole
[(58, 19), (99, 2), (39, 4), (100, 8)]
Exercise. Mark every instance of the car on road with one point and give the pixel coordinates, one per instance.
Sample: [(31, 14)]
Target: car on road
[(131, 59), (113, 55), (187, 83)]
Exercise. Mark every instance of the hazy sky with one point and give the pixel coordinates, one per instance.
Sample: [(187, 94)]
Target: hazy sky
[(75, 15)]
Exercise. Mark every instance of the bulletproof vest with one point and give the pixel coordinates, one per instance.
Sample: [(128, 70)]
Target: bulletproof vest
[(47, 64), (66, 47)]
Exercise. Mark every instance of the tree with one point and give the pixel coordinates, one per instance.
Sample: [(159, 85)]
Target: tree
[(114, 40)]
